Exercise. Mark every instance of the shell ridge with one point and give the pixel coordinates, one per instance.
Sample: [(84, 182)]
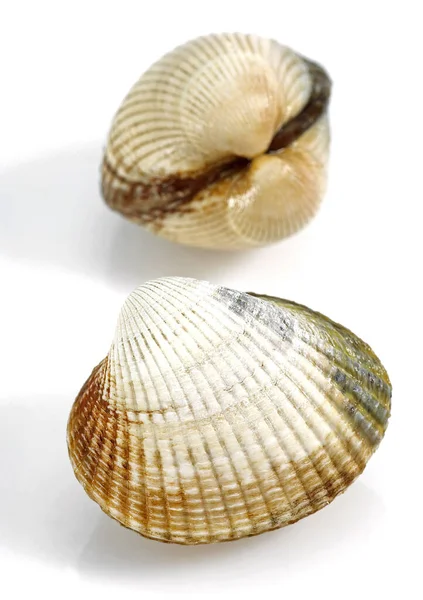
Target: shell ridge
[(292, 312), (359, 376), (356, 400), (350, 366), (287, 67), (108, 485), (290, 458), (342, 411), (130, 394), (369, 388), (247, 307), (358, 431), (284, 448), (74, 420), (208, 453), (167, 517), (94, 425), (113, 492), (81, 417), (367, 401), (143, 134), (128, 347), (334, 427), (234, 471), (250, 41), (127, 505), (313, 498), (285, 418), (299, 409), (91, 464), (224, 413), (189, 452), (226, 452)]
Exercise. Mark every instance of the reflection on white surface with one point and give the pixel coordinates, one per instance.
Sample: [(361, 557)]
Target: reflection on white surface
[(52, 211), (45, 514)]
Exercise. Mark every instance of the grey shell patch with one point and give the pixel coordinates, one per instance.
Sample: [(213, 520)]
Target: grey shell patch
[(361, 407), (264, 312)]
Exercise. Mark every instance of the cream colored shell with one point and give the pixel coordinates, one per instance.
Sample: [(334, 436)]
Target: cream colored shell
[(218, 414), (194, 112)]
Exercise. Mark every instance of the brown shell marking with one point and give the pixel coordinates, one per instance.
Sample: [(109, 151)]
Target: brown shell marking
[(113, 476)]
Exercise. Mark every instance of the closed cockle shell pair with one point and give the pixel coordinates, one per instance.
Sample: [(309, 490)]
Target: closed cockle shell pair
[(222, 143), (219, 414)]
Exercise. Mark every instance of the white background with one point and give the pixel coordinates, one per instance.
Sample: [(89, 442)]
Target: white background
[(67, 262)]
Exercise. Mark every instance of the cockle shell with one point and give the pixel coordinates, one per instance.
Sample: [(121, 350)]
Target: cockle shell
[(219, 414), (222, 143)]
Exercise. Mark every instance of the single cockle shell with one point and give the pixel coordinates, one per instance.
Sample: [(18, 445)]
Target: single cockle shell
[(219, 414), (222, 143)]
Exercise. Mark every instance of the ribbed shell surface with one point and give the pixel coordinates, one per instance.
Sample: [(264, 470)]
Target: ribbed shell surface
[(218, 414), (169, 157)]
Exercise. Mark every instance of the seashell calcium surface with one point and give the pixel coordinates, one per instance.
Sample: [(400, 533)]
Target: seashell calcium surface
[(222, 143), (219, 414)]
